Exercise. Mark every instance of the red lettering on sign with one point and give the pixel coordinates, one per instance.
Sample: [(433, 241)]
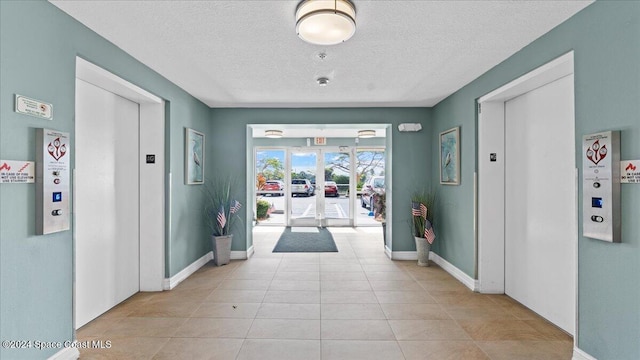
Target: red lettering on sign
[(5, 166), (631, 167)]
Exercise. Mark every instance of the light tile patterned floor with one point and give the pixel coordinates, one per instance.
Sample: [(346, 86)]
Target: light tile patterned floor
[(354, 304)]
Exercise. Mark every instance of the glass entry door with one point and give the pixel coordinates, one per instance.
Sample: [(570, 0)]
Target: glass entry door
[(339, 195), (304, 197), (321, 191)]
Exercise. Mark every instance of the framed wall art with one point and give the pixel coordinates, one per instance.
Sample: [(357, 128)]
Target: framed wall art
[(193, 157), (450, 157)]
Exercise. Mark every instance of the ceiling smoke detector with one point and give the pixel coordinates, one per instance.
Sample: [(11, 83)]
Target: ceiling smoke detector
[(323, 81)]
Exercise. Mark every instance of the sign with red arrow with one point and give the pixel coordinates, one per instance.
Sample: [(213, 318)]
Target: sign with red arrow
[(17, 171), (630, 171)]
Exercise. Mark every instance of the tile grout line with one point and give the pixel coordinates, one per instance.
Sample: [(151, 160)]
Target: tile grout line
[(258, 310)]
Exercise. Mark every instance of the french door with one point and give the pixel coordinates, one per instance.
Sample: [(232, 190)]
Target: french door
[(321, 191)]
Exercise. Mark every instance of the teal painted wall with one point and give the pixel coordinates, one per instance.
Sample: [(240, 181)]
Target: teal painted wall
[(410, 151), (38, 47), (605, 38)]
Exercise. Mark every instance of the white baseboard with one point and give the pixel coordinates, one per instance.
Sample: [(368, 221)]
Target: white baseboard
[(404, 255), (250, 251), (388, 252), (239, 255), (69, 353), (467, 280), (176, 279), (581, 355)]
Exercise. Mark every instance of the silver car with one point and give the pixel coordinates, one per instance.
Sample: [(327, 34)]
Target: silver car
[(301, 187)]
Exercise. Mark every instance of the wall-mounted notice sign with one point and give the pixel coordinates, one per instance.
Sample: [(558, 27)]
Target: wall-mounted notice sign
[(37, 108), (12, 171), (320, 141), (630, 171)]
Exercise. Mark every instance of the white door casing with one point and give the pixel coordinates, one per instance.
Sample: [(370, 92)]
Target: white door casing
[(151, 173), (492, 176)]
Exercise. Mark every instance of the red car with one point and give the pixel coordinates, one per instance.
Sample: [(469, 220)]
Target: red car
[(273, 187), (331, 189)]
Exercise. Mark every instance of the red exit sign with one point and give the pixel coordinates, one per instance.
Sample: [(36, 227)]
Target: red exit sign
[(320, 141)]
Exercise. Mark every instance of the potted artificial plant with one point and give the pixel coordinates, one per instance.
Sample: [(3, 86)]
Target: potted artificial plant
[(221, 213), (379, 206), (422, 224)]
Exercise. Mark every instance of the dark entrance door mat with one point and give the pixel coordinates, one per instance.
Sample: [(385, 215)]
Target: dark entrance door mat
[(305, 239)]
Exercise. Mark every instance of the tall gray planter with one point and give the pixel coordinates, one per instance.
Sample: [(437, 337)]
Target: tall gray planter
[(422, 247), (221, 249)]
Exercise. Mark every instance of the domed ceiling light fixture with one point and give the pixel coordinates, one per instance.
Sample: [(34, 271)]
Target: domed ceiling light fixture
[(325, 22), (366, 133), (273, 134)]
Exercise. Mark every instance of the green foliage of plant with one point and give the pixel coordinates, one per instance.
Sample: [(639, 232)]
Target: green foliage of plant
[(428, 199), (262, 209), (303, 175), (221, 203), (368, 163), (328, 174), (341, 179), (270, 168)]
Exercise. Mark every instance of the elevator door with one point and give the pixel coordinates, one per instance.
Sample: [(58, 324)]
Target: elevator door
[(106, 209), (540, 203)]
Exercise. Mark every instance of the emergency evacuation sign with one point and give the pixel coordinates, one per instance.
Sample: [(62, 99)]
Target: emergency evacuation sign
[(630, 171), (17, 172)]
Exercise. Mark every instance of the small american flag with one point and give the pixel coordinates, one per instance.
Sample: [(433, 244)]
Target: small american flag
[(429, 234), (222, 218), (236, 206), (423, 211), (415, 210)]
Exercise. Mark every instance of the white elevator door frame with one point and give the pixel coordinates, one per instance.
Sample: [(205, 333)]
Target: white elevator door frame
[(540, 201), (106, 201)]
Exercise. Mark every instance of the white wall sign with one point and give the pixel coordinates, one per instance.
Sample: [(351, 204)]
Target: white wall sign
[(37, 108), (12, 171), (630, 171)]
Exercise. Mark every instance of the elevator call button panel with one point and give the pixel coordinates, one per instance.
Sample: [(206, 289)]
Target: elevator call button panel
[(601, 186), (53, 181)]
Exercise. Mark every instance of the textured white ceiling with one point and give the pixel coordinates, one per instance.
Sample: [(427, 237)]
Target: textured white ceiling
[(246, 53)]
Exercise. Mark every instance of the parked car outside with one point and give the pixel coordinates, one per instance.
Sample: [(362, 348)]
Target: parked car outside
[(273, 188), (331, 189), (374, 185), (301, 187)]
